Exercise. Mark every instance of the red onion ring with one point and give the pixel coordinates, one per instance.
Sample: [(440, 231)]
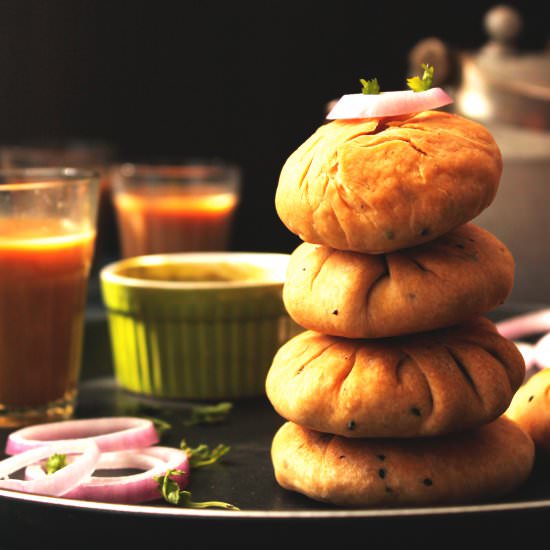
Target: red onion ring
[(128, 489), (528, 324), (536, 356), (109, 434), (528, 353), (542, 351), (387, 104), (61, 481), (531, 364)]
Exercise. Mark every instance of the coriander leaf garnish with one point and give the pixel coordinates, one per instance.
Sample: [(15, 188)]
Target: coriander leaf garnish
[(418, 84), (202, 455), (185, 500), (209, 414), (55, 462), (171, 493), (370, 87), (161, 426), (168, 487)]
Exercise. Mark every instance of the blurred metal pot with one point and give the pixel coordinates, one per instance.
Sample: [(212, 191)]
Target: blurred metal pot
[(508, 92)]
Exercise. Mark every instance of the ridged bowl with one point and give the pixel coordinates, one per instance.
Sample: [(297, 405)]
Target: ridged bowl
[(196, 326)]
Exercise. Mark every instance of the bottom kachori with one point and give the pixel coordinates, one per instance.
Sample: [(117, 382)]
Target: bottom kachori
[(481, 464)]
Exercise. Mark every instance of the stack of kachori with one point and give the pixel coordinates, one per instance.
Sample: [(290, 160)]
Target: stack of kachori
[(394, 392)]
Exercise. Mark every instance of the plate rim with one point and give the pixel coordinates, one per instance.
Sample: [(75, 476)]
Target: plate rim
[(296, 514)]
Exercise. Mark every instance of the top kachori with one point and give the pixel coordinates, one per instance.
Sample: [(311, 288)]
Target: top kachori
[(376, 185)]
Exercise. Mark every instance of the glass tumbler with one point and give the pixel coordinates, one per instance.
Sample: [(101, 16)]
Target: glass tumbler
[(175, 208), (47, 234)]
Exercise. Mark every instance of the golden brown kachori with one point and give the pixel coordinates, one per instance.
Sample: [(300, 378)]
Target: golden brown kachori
[(476, 465), (530, 408), (464, 273), (375, 186), (411, 386)]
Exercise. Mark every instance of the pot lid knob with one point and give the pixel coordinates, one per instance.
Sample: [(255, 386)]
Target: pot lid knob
[(503, 24)]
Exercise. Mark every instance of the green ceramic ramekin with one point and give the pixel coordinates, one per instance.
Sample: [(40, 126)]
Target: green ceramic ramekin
[(196, 326)]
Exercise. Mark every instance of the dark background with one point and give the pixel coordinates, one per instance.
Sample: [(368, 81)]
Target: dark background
[(244, 81)]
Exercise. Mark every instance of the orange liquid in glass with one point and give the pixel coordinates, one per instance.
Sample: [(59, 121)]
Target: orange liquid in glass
[(43, 279), (169, 221)]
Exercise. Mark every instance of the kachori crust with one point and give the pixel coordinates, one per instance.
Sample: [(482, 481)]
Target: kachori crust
[(420, 385), (464, 273), (530, 408), (376, 186), (477, 465)]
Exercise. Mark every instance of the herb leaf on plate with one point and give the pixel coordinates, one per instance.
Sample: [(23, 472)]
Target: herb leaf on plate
[(202, 455), (55, 462), (172, 494), (209, 414)]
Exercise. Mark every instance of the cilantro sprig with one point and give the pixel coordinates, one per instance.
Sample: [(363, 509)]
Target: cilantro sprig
[(370, 87), (168, 487), (185, 500), (172, 493), (199, 457), (415, 83), (209, 414), (161, 426), (55, 462), (202, 455), (421, 84)]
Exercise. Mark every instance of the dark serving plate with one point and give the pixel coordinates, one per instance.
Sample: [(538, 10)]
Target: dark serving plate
[(268, 513)]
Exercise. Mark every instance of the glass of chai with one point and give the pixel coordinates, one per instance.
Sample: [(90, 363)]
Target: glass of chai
[(47, 234), (86, 154), (175, 208)]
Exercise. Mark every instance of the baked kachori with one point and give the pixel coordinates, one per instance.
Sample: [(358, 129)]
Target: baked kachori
[(530, 408), (476, 465), (463, 273), (411, 386), (379, 185)]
